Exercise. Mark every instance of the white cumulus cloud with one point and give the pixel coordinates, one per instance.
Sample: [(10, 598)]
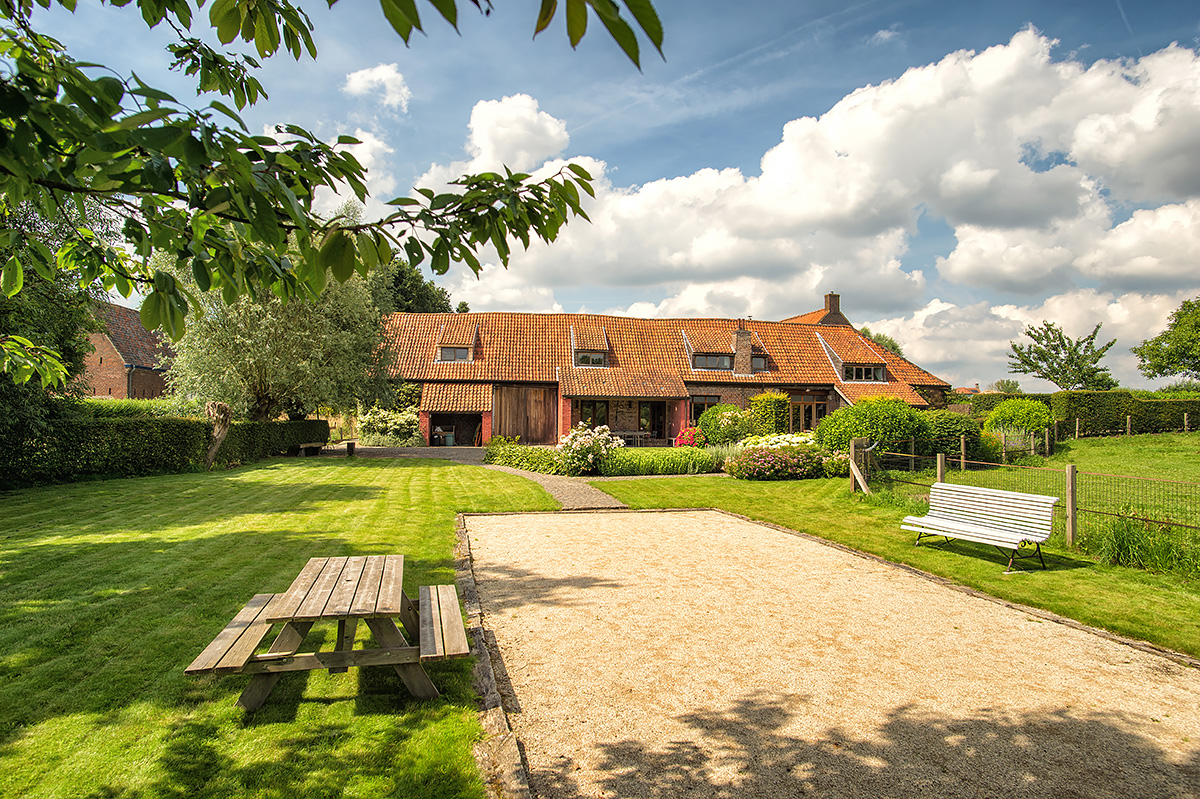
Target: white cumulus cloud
[(384, 79)]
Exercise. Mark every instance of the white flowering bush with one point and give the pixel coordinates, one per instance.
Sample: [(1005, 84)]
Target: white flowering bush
[(585, 447), (779, 440)]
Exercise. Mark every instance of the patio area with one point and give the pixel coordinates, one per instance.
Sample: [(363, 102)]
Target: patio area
[(692, 653)]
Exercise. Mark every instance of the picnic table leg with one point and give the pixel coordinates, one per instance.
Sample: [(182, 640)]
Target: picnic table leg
[(409, 617), (388, 636), (261, 685), (345, 640)]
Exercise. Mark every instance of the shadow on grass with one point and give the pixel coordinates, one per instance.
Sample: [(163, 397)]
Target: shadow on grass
[(747, 751)]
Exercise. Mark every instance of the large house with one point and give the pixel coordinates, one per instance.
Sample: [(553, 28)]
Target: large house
[(124, 363), (537, 375)]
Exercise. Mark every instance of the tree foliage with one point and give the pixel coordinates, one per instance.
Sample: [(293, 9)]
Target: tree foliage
[(883, 340), (266, 357), (1070, 364), (412, 293), (1176, 350), (1005, 386), (233, 209)]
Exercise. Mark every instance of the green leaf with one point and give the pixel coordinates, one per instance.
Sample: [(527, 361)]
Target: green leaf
[(12, 277), (622, 34), (448, 9), (201, 274), (576, 20), (151, 311), (337, 255), (545, 15), (580, 171), (398, 19)]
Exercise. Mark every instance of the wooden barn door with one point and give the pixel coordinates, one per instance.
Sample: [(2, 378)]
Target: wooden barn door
[(527, 411)]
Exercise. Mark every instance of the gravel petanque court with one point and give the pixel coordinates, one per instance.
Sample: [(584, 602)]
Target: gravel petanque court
[(691, 653)]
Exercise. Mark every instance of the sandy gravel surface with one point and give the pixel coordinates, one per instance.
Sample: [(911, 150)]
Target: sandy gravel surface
[(694, 654)]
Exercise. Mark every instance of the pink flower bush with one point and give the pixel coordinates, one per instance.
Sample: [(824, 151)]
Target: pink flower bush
[(584, 448), (690, 437)]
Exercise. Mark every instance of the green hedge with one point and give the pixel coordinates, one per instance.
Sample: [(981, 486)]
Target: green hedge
[(530, 459), (983, 404), (106, 408), (769, 413), (674, 460), (1097, 411), (132, 447)]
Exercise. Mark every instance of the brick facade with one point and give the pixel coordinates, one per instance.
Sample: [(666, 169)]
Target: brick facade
[(107, 375)]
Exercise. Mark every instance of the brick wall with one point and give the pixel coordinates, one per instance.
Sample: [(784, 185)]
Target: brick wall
[(148, 384), (104, 369)]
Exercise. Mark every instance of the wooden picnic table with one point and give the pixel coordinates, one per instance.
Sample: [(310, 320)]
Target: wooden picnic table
[(346, 590)]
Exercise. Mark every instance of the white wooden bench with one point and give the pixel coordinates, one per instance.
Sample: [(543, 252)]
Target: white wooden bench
[(1007, 520)]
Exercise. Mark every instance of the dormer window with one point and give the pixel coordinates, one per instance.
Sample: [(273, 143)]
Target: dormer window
[(712, 362), (455, 354), (863, 373), (590, 358), (758, 363)]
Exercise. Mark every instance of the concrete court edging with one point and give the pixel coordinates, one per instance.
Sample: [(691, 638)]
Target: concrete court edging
[(499, 754)]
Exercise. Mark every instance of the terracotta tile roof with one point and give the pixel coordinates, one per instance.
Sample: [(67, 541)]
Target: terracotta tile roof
[(850, 346), (458, 331), (810, 318), (584, 381), (587, 334), (137, 345), (456, 397), (856, 391), (646, 357)]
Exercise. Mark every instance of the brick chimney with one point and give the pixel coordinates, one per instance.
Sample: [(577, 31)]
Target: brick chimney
[(833, 303), (741, 350)]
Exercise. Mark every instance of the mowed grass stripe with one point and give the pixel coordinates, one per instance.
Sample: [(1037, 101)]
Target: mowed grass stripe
[(108, 589)]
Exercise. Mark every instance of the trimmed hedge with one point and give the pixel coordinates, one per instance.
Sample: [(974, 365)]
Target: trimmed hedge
[(134, 447), (946, 429), (675, 460), (769, 413), (107, 408), (521, 456), (1105, 411), (983, 404)]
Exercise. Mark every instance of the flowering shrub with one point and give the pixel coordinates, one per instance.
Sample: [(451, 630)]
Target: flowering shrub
[(691, 437), (780, 440), (584, 448), (725, 424), (785, 463), (837, 464)]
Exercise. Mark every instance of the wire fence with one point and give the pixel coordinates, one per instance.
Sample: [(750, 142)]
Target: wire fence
[(1137, 521)]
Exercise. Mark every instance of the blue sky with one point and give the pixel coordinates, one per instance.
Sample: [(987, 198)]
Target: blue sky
[(955, 171)]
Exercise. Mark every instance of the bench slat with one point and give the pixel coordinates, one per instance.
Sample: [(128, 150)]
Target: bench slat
[(432, 646), (318, 596), (246, 618), (285, 604), (454, 634), (391, 587)]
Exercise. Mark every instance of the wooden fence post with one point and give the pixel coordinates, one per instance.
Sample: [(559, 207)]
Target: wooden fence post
[(853, 459), (1128, 425), (1076, 427), (1055, 431), (941, 467), (1032, 444), (1048, 451), (1185, 422), (1072, 519), (962, 453), (1004, 447)]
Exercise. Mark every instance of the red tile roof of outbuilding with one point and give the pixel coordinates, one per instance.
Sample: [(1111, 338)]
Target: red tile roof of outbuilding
[(137, 345)]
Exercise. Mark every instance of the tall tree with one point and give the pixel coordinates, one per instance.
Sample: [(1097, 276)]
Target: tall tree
[(412, 293), (1176, 350), (1066, 362), (883, 340), (1005, 386), (232, 208)]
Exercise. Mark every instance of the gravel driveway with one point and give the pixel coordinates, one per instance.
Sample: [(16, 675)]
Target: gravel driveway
[(691, 653)]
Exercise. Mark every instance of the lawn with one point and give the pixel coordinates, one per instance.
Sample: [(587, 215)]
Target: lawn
[(1165, 456), (1162, 609), (109, 589)]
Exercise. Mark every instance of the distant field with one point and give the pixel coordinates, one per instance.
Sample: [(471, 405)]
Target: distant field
[(1166, 456)]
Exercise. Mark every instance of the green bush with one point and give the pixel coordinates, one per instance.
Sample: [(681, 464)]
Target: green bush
[(402, 425), (519, 456), (769, 413), (946, 429), (721, 452), (1164, 415), (656, 460), (1021, 414), (724, 424), (877, 418)]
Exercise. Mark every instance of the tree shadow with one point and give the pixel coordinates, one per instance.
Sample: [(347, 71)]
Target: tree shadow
[(748, 751), (512, 587)]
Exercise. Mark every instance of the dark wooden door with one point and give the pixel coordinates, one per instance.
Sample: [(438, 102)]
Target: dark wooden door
[(530, 412)]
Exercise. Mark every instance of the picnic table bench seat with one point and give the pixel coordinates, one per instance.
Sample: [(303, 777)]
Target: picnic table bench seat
[(1007, 520)]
